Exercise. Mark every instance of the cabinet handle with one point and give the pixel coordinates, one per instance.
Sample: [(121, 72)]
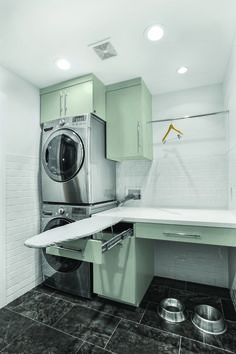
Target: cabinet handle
[(61, 248), (61, 109), (65, 106), (180, 234), (138, 135)]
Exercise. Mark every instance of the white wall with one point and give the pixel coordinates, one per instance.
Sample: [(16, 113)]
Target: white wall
[(19, 212), (230, 104), (191, 173)]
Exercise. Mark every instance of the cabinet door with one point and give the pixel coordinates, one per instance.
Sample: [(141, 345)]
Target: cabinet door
[(115, 278), (50, 106), (124, 134), (78, 99)]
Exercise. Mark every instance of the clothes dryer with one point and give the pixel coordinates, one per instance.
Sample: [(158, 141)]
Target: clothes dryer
[(74, 167)]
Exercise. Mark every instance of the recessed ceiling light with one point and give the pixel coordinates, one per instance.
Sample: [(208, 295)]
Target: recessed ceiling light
[(62, 64), (182, 70), (154, 32)]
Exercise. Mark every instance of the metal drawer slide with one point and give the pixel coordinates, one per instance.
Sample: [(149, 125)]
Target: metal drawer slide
[(116, 240)]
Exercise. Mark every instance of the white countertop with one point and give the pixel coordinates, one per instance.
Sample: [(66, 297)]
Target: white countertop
[(194, 217), (100, 221)]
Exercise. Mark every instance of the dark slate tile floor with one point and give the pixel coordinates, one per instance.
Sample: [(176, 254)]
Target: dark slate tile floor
[(47, 321)]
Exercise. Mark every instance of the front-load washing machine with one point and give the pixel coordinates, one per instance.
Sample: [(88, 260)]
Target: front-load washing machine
[(69, 275), (74, 167)]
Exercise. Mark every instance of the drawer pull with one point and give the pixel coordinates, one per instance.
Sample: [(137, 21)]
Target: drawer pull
[(116, 240), (180, 234)]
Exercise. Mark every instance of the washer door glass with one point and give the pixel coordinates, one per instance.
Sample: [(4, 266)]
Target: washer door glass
[(60, 264), (63, 155)]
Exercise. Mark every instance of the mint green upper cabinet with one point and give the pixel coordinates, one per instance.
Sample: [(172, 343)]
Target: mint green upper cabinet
[(81, 95), (79, 99), (50, 106), (128, 108)]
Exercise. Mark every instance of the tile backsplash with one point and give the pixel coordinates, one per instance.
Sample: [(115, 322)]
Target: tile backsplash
[(175, 181), (192, 173)]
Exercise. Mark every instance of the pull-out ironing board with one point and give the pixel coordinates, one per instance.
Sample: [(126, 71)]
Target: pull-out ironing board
[(73, 231)]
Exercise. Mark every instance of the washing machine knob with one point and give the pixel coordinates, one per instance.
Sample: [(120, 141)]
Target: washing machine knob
[(61, 211), (62, 122)]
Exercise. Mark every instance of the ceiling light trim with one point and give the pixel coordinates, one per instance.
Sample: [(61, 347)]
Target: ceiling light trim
[(182, 70), (62, 64), (154, 32)]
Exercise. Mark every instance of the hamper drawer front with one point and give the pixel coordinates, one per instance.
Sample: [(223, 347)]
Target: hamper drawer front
[(92, 249), (192, 234)]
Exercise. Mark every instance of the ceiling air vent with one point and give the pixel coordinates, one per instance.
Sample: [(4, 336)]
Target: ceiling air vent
[(104, 49)]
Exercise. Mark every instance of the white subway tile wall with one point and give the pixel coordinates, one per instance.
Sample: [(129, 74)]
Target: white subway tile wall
[(22, 222), (199, 263)]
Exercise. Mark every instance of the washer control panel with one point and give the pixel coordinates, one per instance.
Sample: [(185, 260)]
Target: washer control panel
[(72, 212)]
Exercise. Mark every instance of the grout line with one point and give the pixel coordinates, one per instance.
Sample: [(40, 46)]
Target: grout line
[(16, 337), (54, 296), (210, 345), (222, 309), (77, 351), (153, 328), (143, 312), (180, 343), (95, 345), (107, 313), (39, 292), (112, 334), (46, 325), (65, 313)]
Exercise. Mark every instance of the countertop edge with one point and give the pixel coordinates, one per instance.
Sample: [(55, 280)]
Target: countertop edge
[(180, 223), (142, 216)]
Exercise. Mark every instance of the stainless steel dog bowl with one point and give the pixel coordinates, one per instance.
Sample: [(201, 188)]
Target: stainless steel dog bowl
[(172, 310), (208, 319)]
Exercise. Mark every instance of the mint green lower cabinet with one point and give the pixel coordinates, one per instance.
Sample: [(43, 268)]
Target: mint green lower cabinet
[(126, 271), (191, 234)]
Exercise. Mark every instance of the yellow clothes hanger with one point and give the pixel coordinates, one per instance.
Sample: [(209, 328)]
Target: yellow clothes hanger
[(171, 127)]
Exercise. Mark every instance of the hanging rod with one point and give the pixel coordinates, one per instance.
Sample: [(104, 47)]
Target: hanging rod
[(185, 117)]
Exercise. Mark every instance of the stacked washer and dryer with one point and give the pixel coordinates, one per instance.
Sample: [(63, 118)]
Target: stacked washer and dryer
[(77, 181)]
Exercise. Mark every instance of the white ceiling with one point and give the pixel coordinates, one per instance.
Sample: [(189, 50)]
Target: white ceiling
[(198, 34)]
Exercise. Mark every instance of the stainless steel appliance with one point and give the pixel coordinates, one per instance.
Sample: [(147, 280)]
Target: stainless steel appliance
[(69, 275), (74, 165)]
